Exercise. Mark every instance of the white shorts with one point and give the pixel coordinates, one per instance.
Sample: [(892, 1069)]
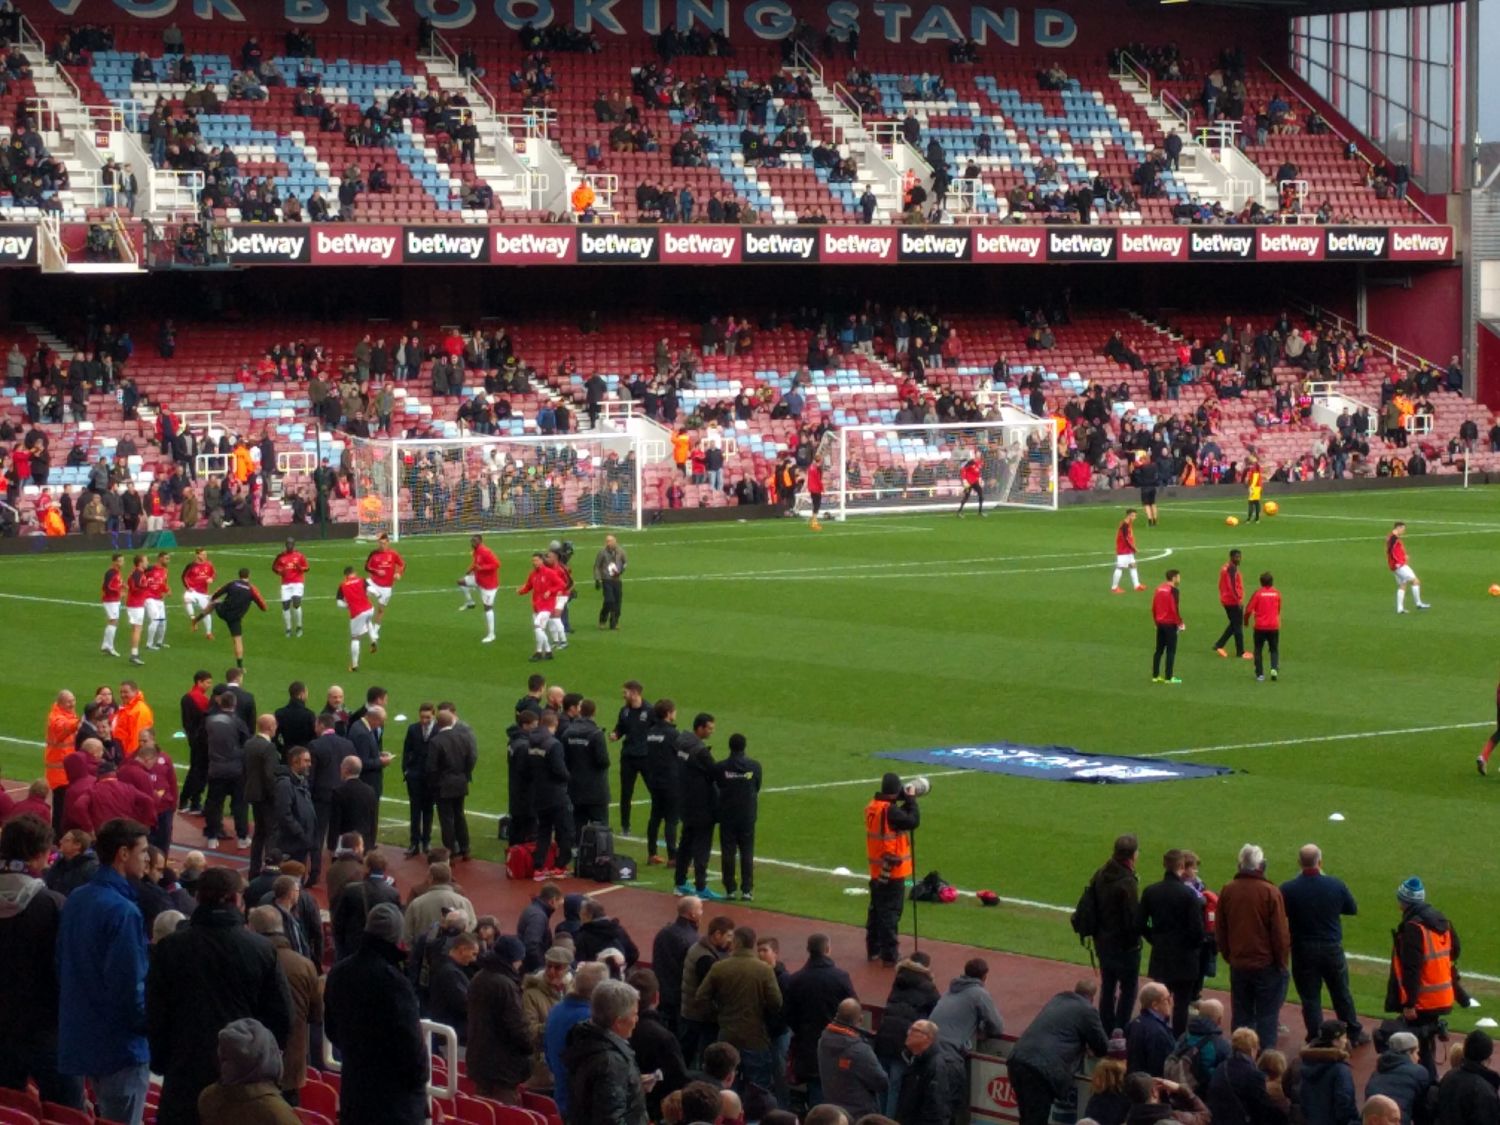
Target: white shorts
[(1404, 574), (540, 618), (135, 614), (195, 602), (360, 625), (486, 597), (155, 610), (290, 590), (1123, 561), (562, 604), (111, 611), (380, 595)]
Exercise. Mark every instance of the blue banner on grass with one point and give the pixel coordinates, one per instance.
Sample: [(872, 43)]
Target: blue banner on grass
[(1057, 763)]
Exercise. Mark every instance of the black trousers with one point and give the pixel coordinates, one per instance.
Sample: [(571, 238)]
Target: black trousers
[(883, 922), (197, 776), (1119, 973), (1235, 630), (663, 819), (421, 813), (555, 823), (737, 841), (1252, 511), (630, 769), (59, 796), (453, 824), (1034, 1093), (1183, 993), (695, 844), (1314, 964), (614, 591), (213, 808), (261, 812), (323, 810), (161, 831), (975, 490), (1166, 644), (1267, 638)]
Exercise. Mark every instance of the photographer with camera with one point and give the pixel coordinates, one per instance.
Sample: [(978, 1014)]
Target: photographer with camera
[(890, 817)]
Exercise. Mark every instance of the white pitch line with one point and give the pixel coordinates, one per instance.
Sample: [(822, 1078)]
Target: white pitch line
[(851, 781), (1385, 520), (1352, 736)]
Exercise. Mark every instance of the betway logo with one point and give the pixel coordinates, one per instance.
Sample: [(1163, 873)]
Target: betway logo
[(17, 246), (445, 245), (949, 246), (1026, 245), (780, 245), (876, 244), (1304, 244), (1097, 245), (1411, 243), (265, 245), (1168, 244), (713, 245), (1240, 245), (357, 245), (1373, 244), (530, 245), (629, 245)]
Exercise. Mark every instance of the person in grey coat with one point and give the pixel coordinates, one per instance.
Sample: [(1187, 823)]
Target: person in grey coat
[(851, 1075), (1401, 1078), (296, 821), (1052, 1048), (967, 1013)]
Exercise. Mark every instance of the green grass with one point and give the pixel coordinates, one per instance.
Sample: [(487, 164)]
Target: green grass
[(923, 631)]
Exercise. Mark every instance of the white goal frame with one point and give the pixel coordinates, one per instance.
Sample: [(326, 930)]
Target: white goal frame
[(390, 455), (943, 495)]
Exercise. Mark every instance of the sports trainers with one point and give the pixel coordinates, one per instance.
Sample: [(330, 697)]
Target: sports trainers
[(1173, 680), (299, 630), (1275, 674), (487, 640), (1158, 680), (1420, 605), (535, 657), (289, 632), (1116, 590), (654, 861), (708, 894), (682, 889), (746, 896), (1140, 589), (542, 875), (559, 873), (466, 605), (1260, 679), (135, 659), (374, 647), (1481, 766), (1222, 653), (1247, 656), (243, 842)]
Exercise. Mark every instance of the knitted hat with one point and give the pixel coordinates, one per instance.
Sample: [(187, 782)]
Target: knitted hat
[(510, 948), (1478, 1046), (1117, 1047), (890, 784), (247, 1054), (384, 922), (1411, 892)]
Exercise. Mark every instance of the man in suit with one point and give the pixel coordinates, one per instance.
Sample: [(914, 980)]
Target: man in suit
[(296, 725), (329, 750), (356, 808), (244, 702), (367, 734), (261, 760), (1171, 917), (451, 759), (414, 751)]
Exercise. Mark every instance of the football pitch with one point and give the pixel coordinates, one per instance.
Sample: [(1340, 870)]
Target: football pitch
[(924, 631)]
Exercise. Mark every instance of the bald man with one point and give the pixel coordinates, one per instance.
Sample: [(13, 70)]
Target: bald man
[(1380, 1110), (851, 1076), (261, 760), (354, 806), (368, 735)]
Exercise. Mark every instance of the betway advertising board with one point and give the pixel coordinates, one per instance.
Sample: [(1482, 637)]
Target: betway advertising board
[(369, 244)]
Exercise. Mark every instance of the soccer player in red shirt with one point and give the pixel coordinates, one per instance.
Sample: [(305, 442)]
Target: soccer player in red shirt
[(814, 486), (483, 575), (385, 568), (1483, 760), (1264, 612), (971, 475), (197, 578), (1166, 611), (1125, 553), (558, 628), (109, 597), (137, 589), (1395, 558), (1231, 594), (157, 589), (355, 598), (541, 584), (291, 567)]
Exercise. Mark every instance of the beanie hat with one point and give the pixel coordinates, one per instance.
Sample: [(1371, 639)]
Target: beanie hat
[(510, 948), (1411, 892), (890, 784), (384, 922), (987, 898), (1117, 1045), (1478, 1046), (248, 1054)]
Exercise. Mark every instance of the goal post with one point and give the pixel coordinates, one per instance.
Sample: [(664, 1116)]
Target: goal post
[(884, 469), (450, 486)]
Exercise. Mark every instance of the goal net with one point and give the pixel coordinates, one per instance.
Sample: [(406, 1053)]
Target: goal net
[(437, 486), (882, 469)]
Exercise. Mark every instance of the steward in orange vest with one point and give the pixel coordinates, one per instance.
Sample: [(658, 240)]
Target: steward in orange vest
[(889, 818), (1423, 983)]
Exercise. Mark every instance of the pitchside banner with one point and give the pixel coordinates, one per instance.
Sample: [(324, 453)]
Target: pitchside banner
[(17, 244), (559, 244), (1057, 763)]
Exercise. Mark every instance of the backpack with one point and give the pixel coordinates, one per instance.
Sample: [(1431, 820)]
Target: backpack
[(1189, 1063), (595, 841), (520, 862), (931, 888), (1086, 915)]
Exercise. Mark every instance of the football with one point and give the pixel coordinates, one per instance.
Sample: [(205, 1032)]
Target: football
[(1232, 521), (1272, 507), (1495, 590)]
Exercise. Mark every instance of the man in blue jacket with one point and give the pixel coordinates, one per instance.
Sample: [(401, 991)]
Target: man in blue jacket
[(101, 959)]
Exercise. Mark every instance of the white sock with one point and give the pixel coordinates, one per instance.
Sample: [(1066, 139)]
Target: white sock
[(1114, 583), (489, 623), (541, 639), (354, 653), (160, 630), (374, 634), (208, 627), (1135, 578), (1416, 592), (468, 595), (109, 636), (1400, 598), (297, 613), (555, 631), (286, 618)]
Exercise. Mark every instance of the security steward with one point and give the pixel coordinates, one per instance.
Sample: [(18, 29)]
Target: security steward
[(889, 817), (738, 778), (1423, 984)]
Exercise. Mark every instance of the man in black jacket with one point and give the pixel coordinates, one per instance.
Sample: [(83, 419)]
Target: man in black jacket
[(654, 1043), (296, 725), (668, 951), (1052, 1048), (244, 702), (547, 784), (812, 998), (355, 806), (366, 733), (1171, 920), (448, 985), (737, 779), (661, 779), (414, 750), (632, 724), (517, 754), (603, 1075), (350, 909), (201, 978), (500, 1052), (587, 757), (370, 1014), (261, 762), (296, 821), (935, 1085), (225, 735), (698, 798), (329, 750), (600, 932), (1117, 938), (451, 757)]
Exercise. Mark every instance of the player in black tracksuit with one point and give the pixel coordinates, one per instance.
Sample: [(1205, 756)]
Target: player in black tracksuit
[(631, 725), (738, 780), (522, 822), (587, 757), (661, 778), (232, 602), (547, 782), (699, 801)]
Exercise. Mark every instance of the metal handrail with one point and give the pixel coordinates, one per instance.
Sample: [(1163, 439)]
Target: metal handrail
[(1129, 67), (846, 99), (1175, 106), (1397, 353), (803, 59), (123, 242)]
